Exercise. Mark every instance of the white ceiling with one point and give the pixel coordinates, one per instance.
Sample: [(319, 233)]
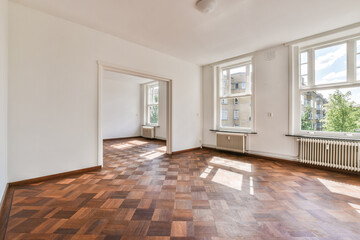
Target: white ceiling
[(176, 28), (125, 77)]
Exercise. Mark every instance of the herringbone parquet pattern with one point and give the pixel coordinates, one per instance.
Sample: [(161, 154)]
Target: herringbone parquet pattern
[(141, 193)]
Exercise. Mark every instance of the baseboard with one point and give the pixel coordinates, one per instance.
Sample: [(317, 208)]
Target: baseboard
[(122, 138), (286, 159), (160, 139), (257, 154), (271, 156), (3, 196), (209, 146), (58, 175), (186, 150), (5, 209)]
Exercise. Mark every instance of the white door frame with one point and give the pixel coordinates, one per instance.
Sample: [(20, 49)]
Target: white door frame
[(102, 66)]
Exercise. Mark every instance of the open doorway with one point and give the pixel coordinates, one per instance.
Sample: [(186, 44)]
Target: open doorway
[(130, 103)]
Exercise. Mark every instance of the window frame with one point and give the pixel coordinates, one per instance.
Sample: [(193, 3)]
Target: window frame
[(148, 105), (248, 62), (296, 88)]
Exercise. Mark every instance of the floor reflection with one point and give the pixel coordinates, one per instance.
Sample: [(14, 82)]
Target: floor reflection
[(247, 167), (341, 188), (228, 178)]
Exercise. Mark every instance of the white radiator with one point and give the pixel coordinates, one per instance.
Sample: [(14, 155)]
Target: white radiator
[(231, 142), (148, 132), (330, 153)]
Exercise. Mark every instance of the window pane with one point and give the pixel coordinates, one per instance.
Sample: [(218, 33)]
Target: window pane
[(153, 114), (239, 80), (224, 84), (304, 69), (358, 46), (358, 74), (238, 112), (303, 57), (153, 96), (330, 65), (358, 60), (304, 80), (334, 110)]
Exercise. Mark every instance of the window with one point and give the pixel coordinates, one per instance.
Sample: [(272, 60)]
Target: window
[(358, 60), (235, 97), (327, 88), (224, 101), (152, 104), (224, 115), (236, 114)]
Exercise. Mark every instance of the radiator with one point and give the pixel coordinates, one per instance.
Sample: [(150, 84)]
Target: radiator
[(231, 142), (148, 132), (330, 153)]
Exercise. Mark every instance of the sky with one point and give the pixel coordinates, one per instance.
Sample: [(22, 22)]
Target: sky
[(330, 65)]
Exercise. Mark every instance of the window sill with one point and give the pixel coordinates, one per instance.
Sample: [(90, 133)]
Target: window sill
[(230, 131), (150, 126), (324, 137)]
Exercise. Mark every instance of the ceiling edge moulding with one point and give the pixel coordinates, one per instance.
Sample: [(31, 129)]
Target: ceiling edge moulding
[(350, 27), (243, 56), (323, 34), (206, 6)]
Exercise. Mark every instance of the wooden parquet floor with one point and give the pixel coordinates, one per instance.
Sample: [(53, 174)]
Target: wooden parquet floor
[(142, 193)]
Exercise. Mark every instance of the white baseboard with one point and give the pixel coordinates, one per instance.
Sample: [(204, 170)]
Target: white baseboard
[(262, 154), (273, 155)]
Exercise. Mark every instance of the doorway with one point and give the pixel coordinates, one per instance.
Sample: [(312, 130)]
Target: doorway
[(146, 117)]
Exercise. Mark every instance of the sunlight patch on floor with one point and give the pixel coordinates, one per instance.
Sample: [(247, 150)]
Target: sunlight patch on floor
[(163, 149), (355, 206), (137, 142), (247, 167), (229, 179), (341, 188), (206, 172), (251, 185), (121, 146), (151, 155)]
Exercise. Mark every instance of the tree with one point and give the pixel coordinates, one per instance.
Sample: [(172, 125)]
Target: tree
[(154, 114), (306, 121), (341, 113)]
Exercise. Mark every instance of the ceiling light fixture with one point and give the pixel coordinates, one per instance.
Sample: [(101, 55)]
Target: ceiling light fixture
[(206, 6)]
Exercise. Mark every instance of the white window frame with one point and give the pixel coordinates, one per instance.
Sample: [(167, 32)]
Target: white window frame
[(218, 77), (295, 86), (148, 105)]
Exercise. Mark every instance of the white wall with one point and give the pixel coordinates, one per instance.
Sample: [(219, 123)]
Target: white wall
[(53, 92), (120, 109), (3, 94), (271, 95)]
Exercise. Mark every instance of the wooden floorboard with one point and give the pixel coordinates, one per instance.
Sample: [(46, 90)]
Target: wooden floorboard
[(143, 193), (5, 210)]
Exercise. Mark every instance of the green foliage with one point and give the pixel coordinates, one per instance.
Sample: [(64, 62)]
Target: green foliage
[(154, 114), (306, 122), (341, 113)]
